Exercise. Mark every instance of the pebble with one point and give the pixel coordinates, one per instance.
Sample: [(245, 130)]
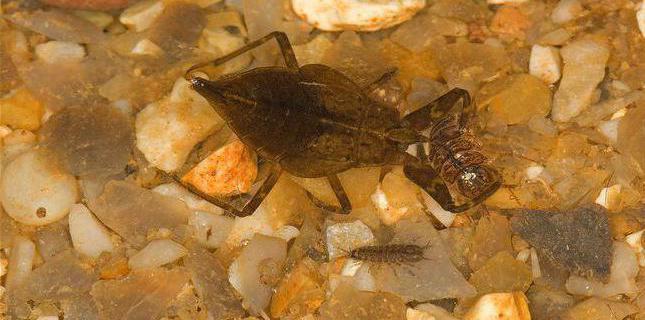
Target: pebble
[(99, 19), (21, 110), (60, 52), (21, 260), (567, 10), (300, 293), (88, 4), (502, 273), (257, 270), (584, 68), (545, 63), (142, 15), (356, 15), (578, 241), (228, 171), (631, 133), (634, 240), (210, 230), (348, 303), (609, 197), (167, 131), (156, 254), (514, 2), (145, 47), (492, 235), (342, 238), (500, 306), (599, 309), (193, 202), (517, 99), (22, 191), (621, 279), (211, 284), (510, 21), (133, 212), (640, 18), (89, 236), (395, 197), (144, 294)]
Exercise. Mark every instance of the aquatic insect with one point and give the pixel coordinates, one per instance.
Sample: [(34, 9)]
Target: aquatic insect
[(312, 121), (389, 253)]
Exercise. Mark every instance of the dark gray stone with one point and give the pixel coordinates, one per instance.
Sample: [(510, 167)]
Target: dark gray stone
[(578, 241)]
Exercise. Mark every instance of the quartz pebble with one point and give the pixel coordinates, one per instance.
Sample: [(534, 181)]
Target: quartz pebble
[(60, 52), (210, 230), (432, 277), (545, 63), (229, 171), (497, 306), (584, 67), (132, 212), (501, 273), (345, 237), (609, 197), (624, 269), (257, 269), (193, 202), (167, 131), (21, 261), (88, 4), (516, 99), (635, 240), (348, 303), (492, 235), (22, 191), (21, 110), (355, 15), (566, 10), (156, 254), (599, 309), (142, 15), (640, 18), (143, 294), (89, 236), (146, 47), (211, 284), (301, 292)]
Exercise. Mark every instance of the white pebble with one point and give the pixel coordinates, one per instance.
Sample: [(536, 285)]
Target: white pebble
[(523, 255), (3, 267), (47, 318), (21, 261), (533, 172), (4, 131), (444, 216), (193, 202), (156, 254), (60, 52), (566, 10), (141, 15), (89, 236), (609, 197), (495, 306), (245, 228), (506, 1), (623, 271), (342, 238), (640, 17), (388, 213), (146, 47), (545, 63), (33, 191), (535, 264), (350, 267), (167, 131), (286, 232), (209, 229), (609, 129), (334, 15), (584, 68), (635, 241)]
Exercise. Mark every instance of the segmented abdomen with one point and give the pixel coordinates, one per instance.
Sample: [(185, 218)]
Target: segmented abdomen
[(452, 149)]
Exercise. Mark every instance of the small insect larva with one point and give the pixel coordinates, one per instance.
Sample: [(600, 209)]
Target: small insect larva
[(390, 253)]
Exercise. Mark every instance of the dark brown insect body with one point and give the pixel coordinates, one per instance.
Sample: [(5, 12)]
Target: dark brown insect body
[(390, 253), (312, 121)]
